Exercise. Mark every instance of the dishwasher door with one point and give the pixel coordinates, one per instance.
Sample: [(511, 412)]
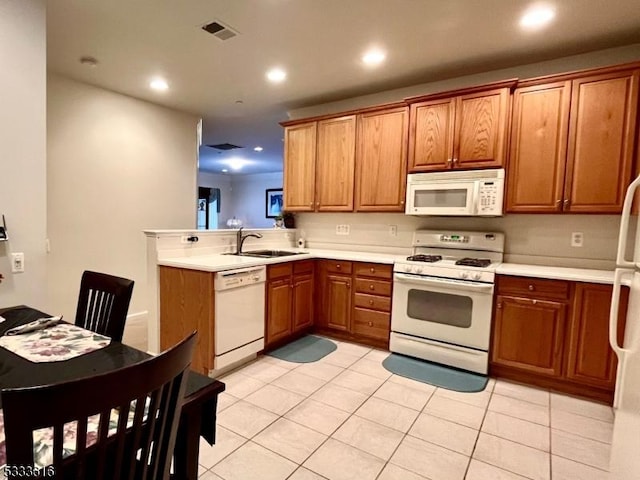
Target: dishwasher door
[(239, 315)]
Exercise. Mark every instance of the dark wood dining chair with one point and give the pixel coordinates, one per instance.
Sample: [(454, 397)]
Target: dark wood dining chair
[(103, 303), (152, 389)]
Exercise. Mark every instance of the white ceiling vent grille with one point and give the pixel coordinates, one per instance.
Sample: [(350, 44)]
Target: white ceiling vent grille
[(219, 30)]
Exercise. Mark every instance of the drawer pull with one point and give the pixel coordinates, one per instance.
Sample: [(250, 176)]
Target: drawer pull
[(370, 324), (370, 302), (371, 287), (534, 302), (372, 270), (531, 288), (338, 265)]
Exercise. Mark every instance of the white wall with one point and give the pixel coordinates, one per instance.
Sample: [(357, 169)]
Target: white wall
[(116, 166), (23, 186), (223, 182), (249, 197)]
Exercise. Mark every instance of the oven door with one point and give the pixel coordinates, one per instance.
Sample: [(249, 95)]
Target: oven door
[(441, 198), (452, 311)]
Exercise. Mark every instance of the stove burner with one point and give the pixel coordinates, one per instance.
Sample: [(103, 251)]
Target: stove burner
[(425, 258), (474, 262)]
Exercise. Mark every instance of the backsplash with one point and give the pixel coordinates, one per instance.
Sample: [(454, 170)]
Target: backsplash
[(532, 239)]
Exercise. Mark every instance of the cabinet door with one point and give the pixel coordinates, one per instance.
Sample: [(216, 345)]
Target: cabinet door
[(381, 161), (336, 164), (538, 148), (590, 358), (601, 134), (431, 126), (529, 334), (481, 129), (338, 302), (278, 309), (302, 302), (300, 167)]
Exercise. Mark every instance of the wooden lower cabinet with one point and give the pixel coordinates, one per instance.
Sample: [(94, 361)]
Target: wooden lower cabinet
[(187, 304), (355, 301), (289, 301), (555, 334)]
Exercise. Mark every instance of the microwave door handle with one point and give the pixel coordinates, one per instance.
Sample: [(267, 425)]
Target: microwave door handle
[(476, 198)]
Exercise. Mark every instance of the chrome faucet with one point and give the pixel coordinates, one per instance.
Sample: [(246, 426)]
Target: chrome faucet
[(241, 238)]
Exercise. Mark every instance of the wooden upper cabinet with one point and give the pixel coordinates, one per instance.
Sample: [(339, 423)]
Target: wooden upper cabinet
[(335, 165), (464, 131), (300, 167), (481, 129), (601, 141), (381, 160), (431, 135), (539, 132)]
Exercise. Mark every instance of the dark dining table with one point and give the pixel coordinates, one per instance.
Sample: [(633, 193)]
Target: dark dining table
[(198, 416)]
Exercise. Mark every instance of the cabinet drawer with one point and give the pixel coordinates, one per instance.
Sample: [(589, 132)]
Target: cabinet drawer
[(373, 302), (375, 287), (338, 266), (530, 287), (303, 266), (370, 323), (279, 270), (375, 270)]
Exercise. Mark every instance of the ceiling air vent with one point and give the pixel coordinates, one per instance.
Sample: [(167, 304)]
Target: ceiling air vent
[(224, 146), (219, 30)]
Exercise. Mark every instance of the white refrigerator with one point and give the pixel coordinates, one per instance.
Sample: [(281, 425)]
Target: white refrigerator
[(625, 448)]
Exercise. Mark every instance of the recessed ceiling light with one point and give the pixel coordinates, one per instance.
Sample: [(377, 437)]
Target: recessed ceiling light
[(224, 170), (374, 57), (236, 163), (276, 75), (537, 17), (159, 84), (258, 149)]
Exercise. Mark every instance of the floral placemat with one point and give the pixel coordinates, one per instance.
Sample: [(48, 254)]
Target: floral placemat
[(54, 344)]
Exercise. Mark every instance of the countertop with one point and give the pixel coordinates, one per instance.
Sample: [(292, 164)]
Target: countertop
[(220, 262)]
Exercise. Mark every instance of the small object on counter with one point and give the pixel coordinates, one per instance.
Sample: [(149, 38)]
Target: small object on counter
[(2, 319), (301, 242), (39, 324)]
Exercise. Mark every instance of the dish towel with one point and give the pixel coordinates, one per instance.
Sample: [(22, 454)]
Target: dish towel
[(56, 343)]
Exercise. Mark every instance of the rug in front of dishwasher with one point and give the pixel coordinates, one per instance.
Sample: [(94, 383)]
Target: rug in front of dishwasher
[(305, 350), (435, 374)]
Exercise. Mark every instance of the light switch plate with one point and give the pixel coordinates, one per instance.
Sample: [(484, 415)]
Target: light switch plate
[(17, 262)]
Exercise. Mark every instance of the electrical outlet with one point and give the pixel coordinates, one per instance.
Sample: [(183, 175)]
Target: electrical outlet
[(17, 262), (393, 230), (342, 229), (577, 239)]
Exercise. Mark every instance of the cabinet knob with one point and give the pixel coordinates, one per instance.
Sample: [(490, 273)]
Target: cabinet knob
[(401, 202), (371, 287), (531, 288), (311, 204), (370, 302), (370, 324), (499, 305), (455, 160), (566, 202), (534, 301), (372, 270), (348, 285), (449, 161), (558, 202), (338, 265)]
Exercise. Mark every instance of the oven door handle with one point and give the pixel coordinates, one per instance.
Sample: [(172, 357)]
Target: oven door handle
[(443, 283)]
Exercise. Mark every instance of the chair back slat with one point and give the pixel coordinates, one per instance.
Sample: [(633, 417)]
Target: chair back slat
[(139, 445), (103, 303)]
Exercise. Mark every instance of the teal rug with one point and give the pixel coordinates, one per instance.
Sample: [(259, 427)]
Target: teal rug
[(304, 350), (435, 374)]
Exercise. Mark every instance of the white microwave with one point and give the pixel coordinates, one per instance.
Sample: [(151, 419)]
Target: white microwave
[(458, 193)]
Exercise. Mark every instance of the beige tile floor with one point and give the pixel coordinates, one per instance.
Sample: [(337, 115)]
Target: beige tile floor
[(346, 417)]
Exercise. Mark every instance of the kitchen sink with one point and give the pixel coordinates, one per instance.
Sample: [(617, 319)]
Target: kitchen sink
[(266, 253)]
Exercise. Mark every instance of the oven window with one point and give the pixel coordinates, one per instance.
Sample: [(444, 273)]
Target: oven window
[(436, 307), (454, 198)]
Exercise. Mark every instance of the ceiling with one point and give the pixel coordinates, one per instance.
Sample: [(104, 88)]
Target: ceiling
[(318, 42)]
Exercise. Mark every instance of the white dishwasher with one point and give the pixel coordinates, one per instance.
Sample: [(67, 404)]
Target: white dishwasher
[(239, 314)]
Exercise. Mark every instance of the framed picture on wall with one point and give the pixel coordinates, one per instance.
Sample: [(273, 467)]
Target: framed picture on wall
[(274, 202)]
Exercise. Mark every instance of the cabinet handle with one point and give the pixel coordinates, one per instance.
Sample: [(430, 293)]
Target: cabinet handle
[(338, 265), (401, 202), (372, 270), (449, 161), (534, 302), (370, 302), (370, 324), (558, 202), (311, 204), (531, 288), (371, 287), (566, 203), (499, 305), (455, 160), (348, 285)]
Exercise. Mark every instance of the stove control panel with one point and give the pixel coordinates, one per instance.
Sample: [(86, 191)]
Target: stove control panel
[(470, 274)]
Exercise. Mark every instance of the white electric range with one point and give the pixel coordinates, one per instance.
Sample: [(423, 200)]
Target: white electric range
[(443, 298)]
